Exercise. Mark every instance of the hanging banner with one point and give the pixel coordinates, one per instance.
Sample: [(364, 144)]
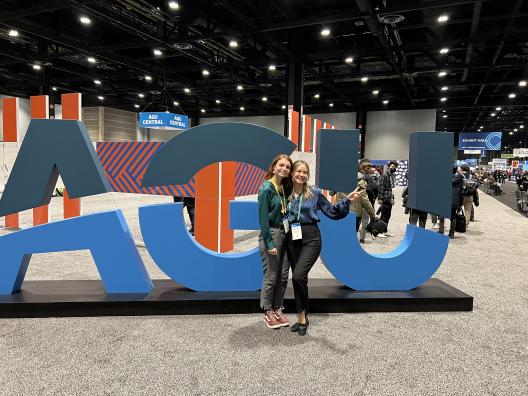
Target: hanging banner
[(520, 152), (163, 120), (480, 140)]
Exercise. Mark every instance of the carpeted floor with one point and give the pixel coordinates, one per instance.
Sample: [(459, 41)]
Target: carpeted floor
[(484, 352)]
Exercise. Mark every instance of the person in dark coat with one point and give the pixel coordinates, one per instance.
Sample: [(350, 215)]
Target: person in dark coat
[(457, 200)]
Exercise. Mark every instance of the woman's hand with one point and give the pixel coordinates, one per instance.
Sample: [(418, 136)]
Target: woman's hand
[(273, 252), (353, 195)]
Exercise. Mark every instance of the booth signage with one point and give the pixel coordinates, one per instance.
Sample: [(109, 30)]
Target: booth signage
[(163, 120), (507, 156), (479, 152), (480, 140), (520, 152), (499, 164)]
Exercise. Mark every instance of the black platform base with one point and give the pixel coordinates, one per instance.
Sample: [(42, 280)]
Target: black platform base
[(88, 298)]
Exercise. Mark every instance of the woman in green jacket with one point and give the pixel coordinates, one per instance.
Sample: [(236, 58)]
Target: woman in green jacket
[(272, 204)]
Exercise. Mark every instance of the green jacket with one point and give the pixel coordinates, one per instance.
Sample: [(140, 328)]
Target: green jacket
[(362, 202), (269, 206)]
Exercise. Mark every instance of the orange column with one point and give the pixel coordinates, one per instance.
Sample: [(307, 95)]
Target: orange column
[(307, 133), (10, 128), (215, 187), (39, 106), (294, 132), (71, 110)]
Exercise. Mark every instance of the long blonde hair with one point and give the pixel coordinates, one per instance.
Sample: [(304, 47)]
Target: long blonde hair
[(307, 191)]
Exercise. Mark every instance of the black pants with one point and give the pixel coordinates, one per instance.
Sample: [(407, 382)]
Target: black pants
[(303, 254), (418, 217), (386, 211), (188, 202), (452, 226)]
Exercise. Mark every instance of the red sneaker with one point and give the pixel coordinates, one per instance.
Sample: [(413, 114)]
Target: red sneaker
[(271, 320), (281, 318)]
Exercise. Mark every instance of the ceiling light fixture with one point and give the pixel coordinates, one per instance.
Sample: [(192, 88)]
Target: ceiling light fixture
[(205, 72), (187, 90), (443, 18), (325, 32), (202, 110), (174, 5), (445, 88), (515, 130), (493, 114), (240, 88), (217, 101), (157, 52), (364, 79), (443, 99), (175, 103), (521, 126), (100, 97), (316, 96), (233, 44), (444, 116), (522, 83), (375, 92), (91, 59), (349, 59), (242, 108), (136, 106), (512, 95), (54, 88), (511, 133), (85, 20), (330, 105), (13, 33), (264, 99), (442, 74), (283, 107), (385, 102), (141, 95), (97, 82), (148, 78), (444, 50), (36, 67), (272, 68), (498, 108)]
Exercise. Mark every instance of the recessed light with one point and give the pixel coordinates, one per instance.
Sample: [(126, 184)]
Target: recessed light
[(242, 108), (283, 107), (385, 102), (85, 20), (272, 68), (443, 111), (445, 88), (521, 126), (54, 88), (240, 88), (493, 114), (174, 5), (175, 103), (136, 106), (443, 18), (141, 95), (36, 67), (217, 101), (522, 83), (186, 90), (100, 97), (97, 82), (482, 126), (157, 52), (148, 78), (202, 110), (512, 95), (264, 99), (442, 74), (498, 108), (444, 50), (316, 96), (515, 130), (444, 116), (13, 33), (364, 79), (325, 32), (233, 44), (205, 72), (330, 105), (443, 99), (349, 59), (91, 59), (511, 133)]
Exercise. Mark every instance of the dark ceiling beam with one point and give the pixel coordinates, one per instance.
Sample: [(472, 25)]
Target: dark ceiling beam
[(474, 25), (41, 8)]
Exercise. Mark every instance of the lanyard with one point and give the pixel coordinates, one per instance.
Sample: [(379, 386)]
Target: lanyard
[(300, 206), (281, 197)]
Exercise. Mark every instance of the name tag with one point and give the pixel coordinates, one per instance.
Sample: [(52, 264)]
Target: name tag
[(296, 232), (286, 225)]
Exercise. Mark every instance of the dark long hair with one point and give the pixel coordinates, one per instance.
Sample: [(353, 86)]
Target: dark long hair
[(287, 181)]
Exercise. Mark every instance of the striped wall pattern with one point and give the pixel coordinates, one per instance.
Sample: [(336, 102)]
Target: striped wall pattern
[(248, 179)]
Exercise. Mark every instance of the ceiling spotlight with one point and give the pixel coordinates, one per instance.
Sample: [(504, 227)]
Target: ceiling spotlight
[(515, 130), (174, 5), (240, 88), (175, 103), (316, 96), (141, 95), (91, 59), (512, 95), (493, 114), (36, 67), (242, 108), (54, 88), (522, 83), (97, 82), (325, 32), (202, 110), (205, 72), (443, 111), (444, 116), (186, 90), (330, 105), (521, 126), (157, 52), (217, 101), (233, 44), (136, 106), (364, 79), (443, 99), (85, 20), (283, 107), (442, 74), (349, 59), (443, 18), (264, 99), (511, 133), (100, 97), (482, 126), (375, 92), (272, 68), (148, 78), (498, 108), (445, 88), (13, 33), (444, 50)]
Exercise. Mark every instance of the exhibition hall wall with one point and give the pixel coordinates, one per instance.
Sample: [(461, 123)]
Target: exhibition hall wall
[(387, 132)]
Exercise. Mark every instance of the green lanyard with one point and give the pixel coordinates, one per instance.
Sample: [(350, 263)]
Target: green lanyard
[(300, 206)]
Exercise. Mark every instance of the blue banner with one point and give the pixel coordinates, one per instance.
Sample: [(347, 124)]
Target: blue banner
[(162, 120), (480, 140)]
